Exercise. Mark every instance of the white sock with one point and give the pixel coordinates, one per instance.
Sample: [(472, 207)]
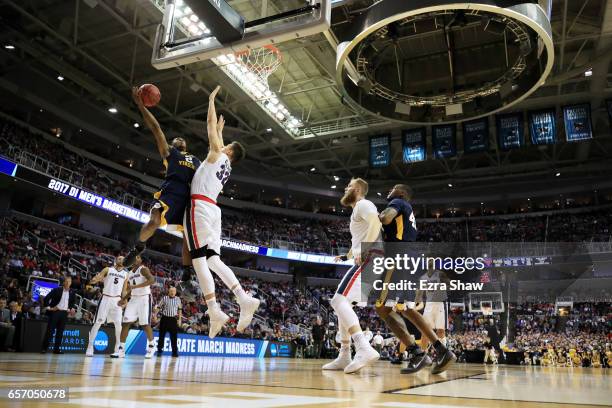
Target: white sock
[(117, 335), (122, 345), (345, 348), (224, 272), (205, 278), (345, 337), (241, 295), (212, 304), (93, 333), (359, 339)]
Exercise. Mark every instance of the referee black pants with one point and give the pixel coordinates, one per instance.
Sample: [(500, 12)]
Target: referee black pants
[(168, 325)]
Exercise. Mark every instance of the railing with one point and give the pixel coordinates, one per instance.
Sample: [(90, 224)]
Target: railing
[(83, 270), (30, 236), (50, 250)]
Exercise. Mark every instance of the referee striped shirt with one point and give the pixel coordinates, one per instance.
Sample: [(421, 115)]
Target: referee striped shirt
[(170, 306)]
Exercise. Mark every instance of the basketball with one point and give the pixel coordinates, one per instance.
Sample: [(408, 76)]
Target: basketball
[(150, 95)]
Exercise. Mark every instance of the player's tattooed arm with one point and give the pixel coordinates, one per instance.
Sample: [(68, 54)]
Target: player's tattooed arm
[(214, 140), (387, 215), (101, 275), (152, 124)]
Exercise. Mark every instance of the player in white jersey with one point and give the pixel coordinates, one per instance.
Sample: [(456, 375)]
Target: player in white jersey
[(435, 304), (202, 224), (139, 308), (115, 286), (365, 227)]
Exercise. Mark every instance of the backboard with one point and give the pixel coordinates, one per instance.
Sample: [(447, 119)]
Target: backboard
[(184, 37)]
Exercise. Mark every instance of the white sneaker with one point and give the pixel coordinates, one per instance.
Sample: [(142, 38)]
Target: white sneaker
[(217, 320), (89, 352), (150, 351), (247, 310), (343, 360), (120, 353), (365, 355)]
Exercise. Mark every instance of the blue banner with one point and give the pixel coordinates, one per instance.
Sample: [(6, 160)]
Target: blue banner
[(414, 145), (198, 345), (510, 131), (7, 167), (476, 135), (577, 119), (543, 127), (444, 141), (380, 151)]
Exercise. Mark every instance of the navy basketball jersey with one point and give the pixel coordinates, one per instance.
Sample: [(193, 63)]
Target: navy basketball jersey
[(180, 168), (403, 226)]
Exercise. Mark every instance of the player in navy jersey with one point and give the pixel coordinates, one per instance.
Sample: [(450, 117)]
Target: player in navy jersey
[(399, 225), (171, 200)]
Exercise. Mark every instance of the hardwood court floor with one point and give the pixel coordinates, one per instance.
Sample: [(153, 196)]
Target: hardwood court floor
[(194, 382)]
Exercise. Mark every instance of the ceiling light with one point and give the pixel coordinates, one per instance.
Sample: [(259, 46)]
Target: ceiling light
[(379, 194), (336, 178), (450, 185), (9, 47), (136, 125), (112, 109), (268, 130), (588, 72), (60, 78), (334, 186), (313, 169), (558, 174)]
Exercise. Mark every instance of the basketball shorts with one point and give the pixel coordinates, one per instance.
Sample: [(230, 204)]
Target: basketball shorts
[(350, 286), (436, 315), (139, 308), (202, 225), (172, 206), (109, 310)]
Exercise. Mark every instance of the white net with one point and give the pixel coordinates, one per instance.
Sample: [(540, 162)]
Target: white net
[(260, 61)]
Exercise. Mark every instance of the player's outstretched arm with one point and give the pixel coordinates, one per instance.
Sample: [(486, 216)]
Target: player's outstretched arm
[(214, 139), (153, 124), (101, 275), (387, 215)]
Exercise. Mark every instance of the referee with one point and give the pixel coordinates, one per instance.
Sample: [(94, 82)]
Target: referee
[(171, 311)]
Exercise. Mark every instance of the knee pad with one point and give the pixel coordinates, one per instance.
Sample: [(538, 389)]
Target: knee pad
[(199, 253)]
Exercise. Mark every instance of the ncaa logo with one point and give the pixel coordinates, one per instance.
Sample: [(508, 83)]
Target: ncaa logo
[(101, 341)]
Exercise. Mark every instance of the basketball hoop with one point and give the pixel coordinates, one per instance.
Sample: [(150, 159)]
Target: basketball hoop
[(260, 61), (486, 308)]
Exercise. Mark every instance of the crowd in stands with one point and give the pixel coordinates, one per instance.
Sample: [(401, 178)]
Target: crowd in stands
[(15, 140)]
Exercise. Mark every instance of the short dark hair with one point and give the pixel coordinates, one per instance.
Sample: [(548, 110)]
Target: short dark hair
[(405, 188), (238, 152)]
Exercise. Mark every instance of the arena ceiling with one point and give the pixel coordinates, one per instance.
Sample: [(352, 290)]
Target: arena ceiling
[(102, 47)]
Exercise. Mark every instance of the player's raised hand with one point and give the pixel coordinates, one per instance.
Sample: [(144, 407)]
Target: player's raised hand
[(136, 96), (214, 93), (220, 124)]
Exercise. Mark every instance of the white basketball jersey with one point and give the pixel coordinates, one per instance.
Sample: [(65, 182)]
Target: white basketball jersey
[(210, 178), (113, 282), (136, 278), (359, 224)]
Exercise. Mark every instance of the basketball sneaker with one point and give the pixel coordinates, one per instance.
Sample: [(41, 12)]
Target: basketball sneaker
[(150, 351), (365, 355), (443, 359), (247, 309), (340, 363), (89, 352), (120, 353), (217, 320), (417, 359)]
